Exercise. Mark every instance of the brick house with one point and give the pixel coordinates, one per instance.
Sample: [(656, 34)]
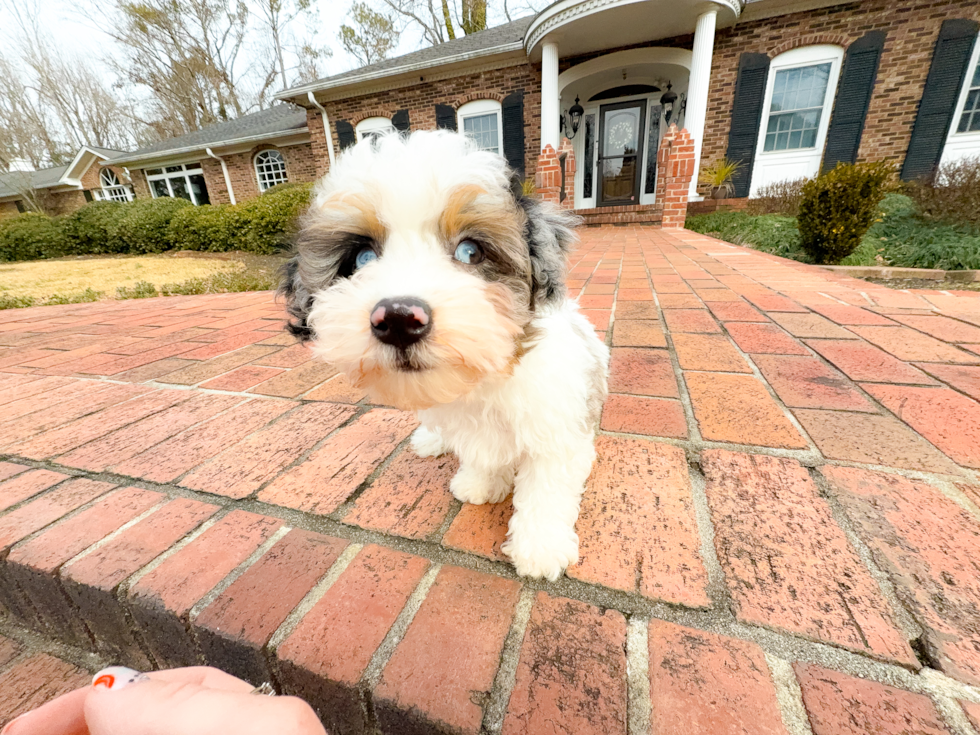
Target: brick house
[(63, 189), (785, 87), (227, 162)]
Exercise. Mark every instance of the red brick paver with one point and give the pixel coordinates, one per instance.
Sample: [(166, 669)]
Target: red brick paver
[(783, 448)]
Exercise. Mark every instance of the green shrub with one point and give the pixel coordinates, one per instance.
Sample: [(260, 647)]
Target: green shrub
[(952, 195), (782, 197), (15, 302), (839, 207), (223, 282), (208, 228), (911, 241), (31, 236), (144, 226), (87, 229), (139, 290), (268, 221)]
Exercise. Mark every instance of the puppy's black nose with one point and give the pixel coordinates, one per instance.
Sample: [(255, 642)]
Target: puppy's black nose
[(401, 321)]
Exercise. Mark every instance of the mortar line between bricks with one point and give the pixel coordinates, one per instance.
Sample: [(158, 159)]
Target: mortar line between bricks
[(910, 627), (233, 575), (33, 643), (271, 422), (693, 427), (40, 493), (347, 506), (209, 391), (717, 584), (778, 643), (372, 672), (938, 688), (638, 702), (503, 683), (789, 696), (299, 459), (310, 599)]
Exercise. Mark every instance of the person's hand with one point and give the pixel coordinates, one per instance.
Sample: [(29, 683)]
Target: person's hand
[(192, 701)]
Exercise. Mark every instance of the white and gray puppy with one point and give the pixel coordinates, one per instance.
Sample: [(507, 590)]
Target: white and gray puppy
[(419, 274)]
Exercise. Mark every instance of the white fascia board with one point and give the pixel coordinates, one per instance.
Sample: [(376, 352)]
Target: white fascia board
[(160, 158)]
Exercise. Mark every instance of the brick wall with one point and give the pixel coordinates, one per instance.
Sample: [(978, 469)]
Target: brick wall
[(63, 202), (300, 167), (911, 28), (8, 209), (420, 101)]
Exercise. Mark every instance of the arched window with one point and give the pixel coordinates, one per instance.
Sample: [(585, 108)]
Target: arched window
[(374, 128), (481, 122), (112, 189), (963, 140), (799, 98), (270, 168)]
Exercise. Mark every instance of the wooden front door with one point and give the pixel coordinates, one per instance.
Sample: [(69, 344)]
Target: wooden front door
[(620, 154)]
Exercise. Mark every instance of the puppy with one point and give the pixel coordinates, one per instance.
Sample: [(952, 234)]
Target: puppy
[(420, 274)]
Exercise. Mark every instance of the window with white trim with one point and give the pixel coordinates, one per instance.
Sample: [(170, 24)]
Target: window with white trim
[(969, 117), (796, 107), (481, 122), (270, 168), (184, 182), (112, 189), (373, 128)]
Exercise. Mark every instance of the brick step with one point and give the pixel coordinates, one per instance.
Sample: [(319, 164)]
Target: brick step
[(640, 214), (374, 637)]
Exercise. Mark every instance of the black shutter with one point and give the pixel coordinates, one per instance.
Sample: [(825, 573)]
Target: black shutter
[(445, 117), (857, 83), (949, 67), (512, 111), (345, 134), (400, 121), (87, 194), (750, 92)]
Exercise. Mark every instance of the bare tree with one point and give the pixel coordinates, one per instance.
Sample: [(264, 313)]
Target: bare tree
[(186, 54), (278, 16), (372, 37), (443, 20)]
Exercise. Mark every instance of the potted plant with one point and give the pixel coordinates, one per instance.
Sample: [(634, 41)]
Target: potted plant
[(718, 176)]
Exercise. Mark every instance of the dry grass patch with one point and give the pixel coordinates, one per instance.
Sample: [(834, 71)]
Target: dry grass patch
[(42, 279)]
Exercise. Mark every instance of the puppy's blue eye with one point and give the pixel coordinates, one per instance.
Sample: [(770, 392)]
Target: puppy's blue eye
[(468, 252), (363, 257)]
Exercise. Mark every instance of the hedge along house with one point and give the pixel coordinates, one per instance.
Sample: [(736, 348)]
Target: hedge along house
[(785, 87), (63, 189), (227, 162)]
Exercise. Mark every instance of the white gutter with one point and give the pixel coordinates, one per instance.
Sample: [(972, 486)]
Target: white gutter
[(224, 170), (326, 125)]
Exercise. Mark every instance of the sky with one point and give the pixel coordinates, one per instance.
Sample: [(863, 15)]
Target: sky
[(71, 20)]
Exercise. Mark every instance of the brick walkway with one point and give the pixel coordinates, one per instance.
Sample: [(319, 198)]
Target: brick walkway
[(781, 534)]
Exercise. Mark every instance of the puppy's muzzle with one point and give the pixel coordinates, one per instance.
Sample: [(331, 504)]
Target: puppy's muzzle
[(401, 322)]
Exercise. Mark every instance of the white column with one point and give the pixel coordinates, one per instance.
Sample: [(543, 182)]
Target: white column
[(697, 87), (549, 95)]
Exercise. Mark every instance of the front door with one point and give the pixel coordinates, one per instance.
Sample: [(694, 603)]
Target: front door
[(620, 153)]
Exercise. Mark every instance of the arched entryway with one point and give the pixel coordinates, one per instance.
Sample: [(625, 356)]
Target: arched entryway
[(624, 117)]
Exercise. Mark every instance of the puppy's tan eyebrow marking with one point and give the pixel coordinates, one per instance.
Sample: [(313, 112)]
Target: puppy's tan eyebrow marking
[(355, 215), (491, 218)]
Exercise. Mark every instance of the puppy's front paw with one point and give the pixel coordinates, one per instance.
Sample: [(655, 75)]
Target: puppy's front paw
[(427, 443), (477, 488), (544, 555)]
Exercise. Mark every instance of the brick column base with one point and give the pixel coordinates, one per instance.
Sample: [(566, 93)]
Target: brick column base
[(548, 175), (675, 167)]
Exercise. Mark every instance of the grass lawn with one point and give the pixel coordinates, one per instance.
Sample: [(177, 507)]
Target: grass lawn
[(92, 278), (899, 238)]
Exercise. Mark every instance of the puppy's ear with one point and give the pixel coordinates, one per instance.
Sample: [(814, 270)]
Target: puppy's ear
[(550, 235), (298, 299)]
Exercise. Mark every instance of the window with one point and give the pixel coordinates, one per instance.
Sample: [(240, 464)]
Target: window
[(112, 190), (270, 167), (796, 107), (372, 128), (970, 117), (185, 182), (480, 121)]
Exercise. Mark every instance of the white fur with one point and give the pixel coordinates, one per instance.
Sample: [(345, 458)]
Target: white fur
[(525, 423)]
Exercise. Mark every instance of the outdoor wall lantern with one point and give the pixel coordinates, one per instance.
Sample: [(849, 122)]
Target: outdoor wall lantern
[(575, 114), (667, 100)]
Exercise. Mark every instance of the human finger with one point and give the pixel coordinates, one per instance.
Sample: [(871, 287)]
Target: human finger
[(61, 716), (205, 676)]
